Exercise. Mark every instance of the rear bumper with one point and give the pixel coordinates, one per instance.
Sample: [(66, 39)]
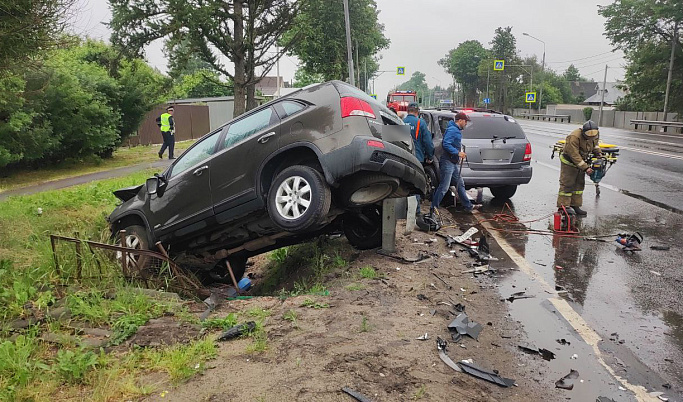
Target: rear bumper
[(493, 178), (390, 160)]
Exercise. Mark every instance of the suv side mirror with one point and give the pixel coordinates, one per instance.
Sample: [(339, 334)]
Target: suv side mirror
[(152, 185), (156, 184)]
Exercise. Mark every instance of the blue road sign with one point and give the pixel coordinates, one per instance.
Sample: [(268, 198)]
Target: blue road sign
[(499, 65), (374, 96), (400, 71), (487, 100), (530, 97)]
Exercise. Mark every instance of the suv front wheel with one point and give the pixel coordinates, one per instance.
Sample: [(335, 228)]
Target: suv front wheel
[(299, 198)]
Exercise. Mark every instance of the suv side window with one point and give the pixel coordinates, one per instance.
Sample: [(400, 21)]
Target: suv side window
[(291, 108), (443, 123), (200, 152), (249, 125)]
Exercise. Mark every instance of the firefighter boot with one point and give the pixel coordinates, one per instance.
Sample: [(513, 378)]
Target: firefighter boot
[(579, 211)]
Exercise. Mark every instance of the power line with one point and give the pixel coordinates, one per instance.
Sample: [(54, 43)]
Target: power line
[(583, 58)]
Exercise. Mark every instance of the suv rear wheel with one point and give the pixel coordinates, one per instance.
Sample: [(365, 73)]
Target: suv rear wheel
[(503, 192), (299, 198)]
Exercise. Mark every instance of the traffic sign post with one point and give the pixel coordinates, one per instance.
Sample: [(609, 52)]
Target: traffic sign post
[(487, 100), (498, 65), (400, 71), (374, 96), (530, 97)]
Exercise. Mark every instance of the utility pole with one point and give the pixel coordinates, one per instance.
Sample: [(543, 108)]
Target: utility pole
[(357, 64), (277, 90), (531, 83), (349, 53), (540, 98), (365, 76), (488, 75), (674, 40), (602, 100)]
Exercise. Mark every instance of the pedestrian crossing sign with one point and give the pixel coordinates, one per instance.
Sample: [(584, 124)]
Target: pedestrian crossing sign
[(374, 96), (499, 65), (400, 71), (531, 97)]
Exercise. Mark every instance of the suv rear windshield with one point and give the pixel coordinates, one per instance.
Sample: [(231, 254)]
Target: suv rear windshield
[(485, 127)]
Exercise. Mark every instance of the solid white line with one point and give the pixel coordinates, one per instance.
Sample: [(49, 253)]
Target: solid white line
[(618, 137), (642, 151), (673, 136), (573, 318), (557, 169)]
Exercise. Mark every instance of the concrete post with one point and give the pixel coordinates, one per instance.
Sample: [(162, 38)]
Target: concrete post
[(410, 214), (389, 225)]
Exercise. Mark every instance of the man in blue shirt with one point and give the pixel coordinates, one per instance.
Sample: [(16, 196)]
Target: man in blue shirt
[(449, 172), (422, 138)]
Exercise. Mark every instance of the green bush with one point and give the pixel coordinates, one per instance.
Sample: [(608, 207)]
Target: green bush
[(72, 366), (587, 113)]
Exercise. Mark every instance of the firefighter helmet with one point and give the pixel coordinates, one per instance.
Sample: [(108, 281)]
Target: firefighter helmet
[(590, 129)]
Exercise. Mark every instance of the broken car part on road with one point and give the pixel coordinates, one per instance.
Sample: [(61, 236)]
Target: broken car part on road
[(567, 382), (463, 326)]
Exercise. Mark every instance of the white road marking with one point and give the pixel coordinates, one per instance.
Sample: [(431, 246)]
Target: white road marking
[(573, 318), (642, 151), (556, 129)]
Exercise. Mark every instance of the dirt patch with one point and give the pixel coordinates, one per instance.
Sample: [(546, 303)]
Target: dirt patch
[(166, 331), (363, 336)]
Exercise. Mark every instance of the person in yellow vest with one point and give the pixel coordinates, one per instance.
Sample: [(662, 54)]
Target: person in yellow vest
[(167, 127), (579, 145)]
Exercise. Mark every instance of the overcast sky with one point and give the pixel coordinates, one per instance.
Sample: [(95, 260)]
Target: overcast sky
[(423, 31)]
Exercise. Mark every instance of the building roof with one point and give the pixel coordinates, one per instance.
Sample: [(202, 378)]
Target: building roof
[(583, 88), (268, 85), (612, 94)]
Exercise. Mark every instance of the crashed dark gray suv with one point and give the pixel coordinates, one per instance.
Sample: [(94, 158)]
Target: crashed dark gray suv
[(318, 160)]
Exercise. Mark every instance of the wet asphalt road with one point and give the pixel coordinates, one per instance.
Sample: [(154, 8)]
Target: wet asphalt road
[(633, 301)]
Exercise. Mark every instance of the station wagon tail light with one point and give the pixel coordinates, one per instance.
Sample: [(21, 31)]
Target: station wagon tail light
[(527, 152), (376, 144), (351, 106)]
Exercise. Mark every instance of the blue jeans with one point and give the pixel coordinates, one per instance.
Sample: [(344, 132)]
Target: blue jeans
[(450, 177)]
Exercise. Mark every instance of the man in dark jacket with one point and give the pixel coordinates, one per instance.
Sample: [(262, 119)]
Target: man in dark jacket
[(578, 146), (422, 138), (449, 161), (167, 126)]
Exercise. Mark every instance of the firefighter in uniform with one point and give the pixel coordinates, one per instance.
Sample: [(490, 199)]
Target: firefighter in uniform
[(577, 147)]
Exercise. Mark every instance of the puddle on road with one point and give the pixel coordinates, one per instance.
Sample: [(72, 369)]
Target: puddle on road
[(616, 293)]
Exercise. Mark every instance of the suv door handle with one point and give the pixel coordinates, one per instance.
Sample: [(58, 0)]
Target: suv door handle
[(264, 138), (198, 171)]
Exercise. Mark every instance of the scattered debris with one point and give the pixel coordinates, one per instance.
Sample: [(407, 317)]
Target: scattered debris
[(604, 399), (405, 260), (441, 346), (540, 263), (517, 296), (574, 356), (482, 270), (422, 297), (622, 388), (655, 273), (667, 385), (237, 331), (567, 382), (563, 341), (486, 375), (423, 337), (544, 353), (460, 308), (355, 394), (465, 236), (463, 326), (495, 344), (660, 248), (630, 242), (558, 267), (444, 282), (559, 288)]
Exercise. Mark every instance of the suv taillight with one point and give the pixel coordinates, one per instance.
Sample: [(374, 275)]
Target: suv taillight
[(527, 152), (351, 106)]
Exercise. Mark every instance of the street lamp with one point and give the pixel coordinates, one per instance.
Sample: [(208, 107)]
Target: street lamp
[(433, 92), (540, 98)]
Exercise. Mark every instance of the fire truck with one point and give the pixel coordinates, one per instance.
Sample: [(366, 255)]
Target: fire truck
[(398, 100)]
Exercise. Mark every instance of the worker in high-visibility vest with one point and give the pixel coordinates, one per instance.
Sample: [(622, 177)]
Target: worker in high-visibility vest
[(167, 127), (578, 146), (422, 139)]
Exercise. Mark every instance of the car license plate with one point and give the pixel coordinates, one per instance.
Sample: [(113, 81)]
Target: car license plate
[(500, 155)]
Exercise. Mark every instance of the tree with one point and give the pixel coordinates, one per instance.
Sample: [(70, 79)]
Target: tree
[(322, 48), (632, 23), (573, 74), (416, 83), (504, 47), (646, 79), (243, 32), (30, 27), (463, 64), (302, 78), (183, 58), (200, 84)]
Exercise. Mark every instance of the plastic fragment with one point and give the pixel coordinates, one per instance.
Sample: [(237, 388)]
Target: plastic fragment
[(567, 382)]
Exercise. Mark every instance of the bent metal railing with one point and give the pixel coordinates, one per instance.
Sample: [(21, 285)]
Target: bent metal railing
[(154, 270)]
